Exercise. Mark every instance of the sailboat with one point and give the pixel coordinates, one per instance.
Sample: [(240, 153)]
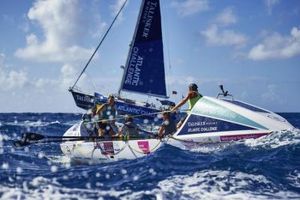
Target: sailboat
[(144, 71), (212, 120)]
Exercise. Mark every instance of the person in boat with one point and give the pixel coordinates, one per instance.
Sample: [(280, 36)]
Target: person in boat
[(130, 129), (106, 114), (168, 126), (192, 97)]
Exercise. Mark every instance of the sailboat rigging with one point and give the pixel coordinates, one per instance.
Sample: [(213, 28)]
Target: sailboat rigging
[(100, 43), (144, 71)]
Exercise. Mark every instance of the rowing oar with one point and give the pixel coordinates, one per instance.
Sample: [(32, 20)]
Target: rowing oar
[(33, 138)]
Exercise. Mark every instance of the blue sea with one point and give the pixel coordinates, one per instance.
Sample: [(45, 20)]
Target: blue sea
[(265, 168)]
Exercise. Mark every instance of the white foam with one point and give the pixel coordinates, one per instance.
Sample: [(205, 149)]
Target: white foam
[(27, 123), (294, 178), (273, 140), (211, 148), (207, 184), (276, 139), (220, 185), (42, 188)]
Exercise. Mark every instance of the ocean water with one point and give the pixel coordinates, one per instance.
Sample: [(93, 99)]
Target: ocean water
[(265, 168)]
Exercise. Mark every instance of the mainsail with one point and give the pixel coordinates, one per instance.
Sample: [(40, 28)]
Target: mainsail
[(144, 70)]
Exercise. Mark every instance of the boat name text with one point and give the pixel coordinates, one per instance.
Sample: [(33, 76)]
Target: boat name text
[(148, 17), (134, 68), (128, 109)]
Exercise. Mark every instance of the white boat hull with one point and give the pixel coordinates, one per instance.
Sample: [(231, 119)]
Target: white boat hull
[(105, 151)]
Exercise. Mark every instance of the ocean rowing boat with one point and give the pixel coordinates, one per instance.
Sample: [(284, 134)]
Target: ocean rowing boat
[(98, 151), (211, 120)]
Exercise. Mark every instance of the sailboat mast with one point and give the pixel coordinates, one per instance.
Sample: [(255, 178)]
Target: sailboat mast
[(131, 47)]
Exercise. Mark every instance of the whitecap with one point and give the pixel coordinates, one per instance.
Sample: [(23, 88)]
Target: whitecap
[(276, 139), (220, 184)]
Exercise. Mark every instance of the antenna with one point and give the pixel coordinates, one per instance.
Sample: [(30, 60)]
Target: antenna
[(224, 93)]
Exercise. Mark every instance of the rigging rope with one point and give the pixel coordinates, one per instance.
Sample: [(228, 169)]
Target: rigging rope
[(99, 44), (133, 116)]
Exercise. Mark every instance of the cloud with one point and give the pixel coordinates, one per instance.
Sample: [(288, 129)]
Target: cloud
[(64, 24), (276, 46), (270, 4), (226, 17), (226, 37), (271, 94), (11, 79), (68, 75), (217, 35), (190, 7)]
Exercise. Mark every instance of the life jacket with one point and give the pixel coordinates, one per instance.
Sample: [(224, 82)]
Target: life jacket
[(193, 101), (130, 129), (106, 111)]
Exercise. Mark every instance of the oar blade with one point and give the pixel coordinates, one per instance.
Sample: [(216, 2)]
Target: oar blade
[(28, 138)]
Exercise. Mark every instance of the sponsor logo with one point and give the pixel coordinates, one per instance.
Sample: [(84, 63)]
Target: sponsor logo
[(144, 146), (134, 68), (107, 148), (202, 126), (131, 109), (241, 137), (84, 98), (148, 16)]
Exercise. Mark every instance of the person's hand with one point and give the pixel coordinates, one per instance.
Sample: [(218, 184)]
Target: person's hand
[(160, 136)]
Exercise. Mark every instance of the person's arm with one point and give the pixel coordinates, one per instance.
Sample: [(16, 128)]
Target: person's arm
[(161, 131), (99, 108), (181, 103)]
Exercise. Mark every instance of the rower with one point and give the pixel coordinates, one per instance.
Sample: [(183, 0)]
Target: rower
[(106, 114), (168, 126), (192, 97), (129, 128)]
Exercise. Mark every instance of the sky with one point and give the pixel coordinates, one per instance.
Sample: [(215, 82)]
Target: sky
[(251, 47)]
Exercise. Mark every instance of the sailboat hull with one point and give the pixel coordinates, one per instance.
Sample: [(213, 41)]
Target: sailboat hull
[(86, 101), (82, 100)]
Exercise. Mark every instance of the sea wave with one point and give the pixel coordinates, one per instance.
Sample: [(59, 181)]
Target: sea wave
[(276, 139), (215, 184), (206, 184), (43, 188), (264, 168)]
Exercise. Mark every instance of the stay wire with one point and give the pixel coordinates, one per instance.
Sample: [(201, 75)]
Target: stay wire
[(100, 43)]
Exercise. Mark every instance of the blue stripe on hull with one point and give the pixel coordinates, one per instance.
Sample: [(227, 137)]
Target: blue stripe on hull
[(247, 106), (200, 124)]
